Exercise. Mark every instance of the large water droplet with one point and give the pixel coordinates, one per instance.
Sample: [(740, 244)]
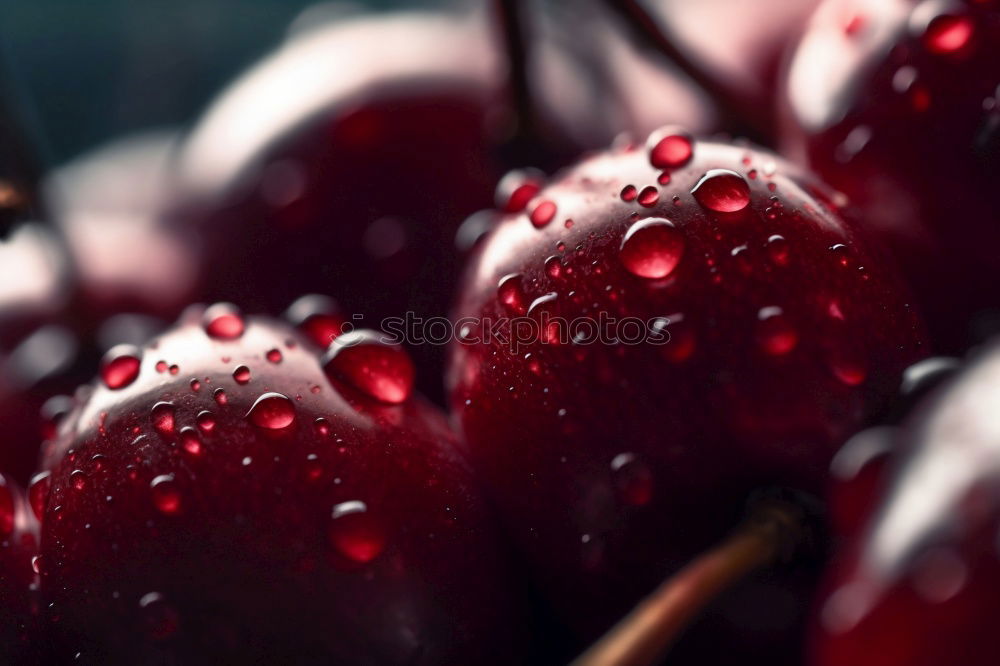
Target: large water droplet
[(120, 366), (242, 374), (381, 370), (722, 190), (947, 34), (206, 420), (652, 248), (319, 317), (355, 533), (190, 441), (272, 411), (162, 416), (166, 495), (775, 333), (648, 196), (517, 188), (511, 294), (669, 147), (223, 321), (543, 213)]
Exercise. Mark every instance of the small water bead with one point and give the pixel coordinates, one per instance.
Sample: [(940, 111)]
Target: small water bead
[(6, 508), (220, 396), (947, 34), (722, 190), (205, 421), (543, 213), (318, 317), (195, 385), (849, 369), (162, 416), (38, 564), (160, 619), (161, 366), (314, 468), (652, 248), (379, 369), (554, 267), (223, 321), (120, 366), (355, 533), (191, 441), (242, 374), (663, 178), (517, 188), (842, 254), (648, 196), (775, 333), (629, 193), (777, 250), (166, 495), (53, 411), (274, 355), (511, 294), (322, 426), (272, 411), (38, 493), (669, 147), (174, 369), (568, 224), (77, 479), (633, 479)]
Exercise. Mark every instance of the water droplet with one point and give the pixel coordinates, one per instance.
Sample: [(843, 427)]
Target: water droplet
[(272, 411), (53, 411), (322, 426), (512, 295), (220, 396), (206, 421), (848, 368), (274, 355), (314, 468), (517, 188), (223, 321), (652, 248), (722, 190), (649, 196), (633, 479), (38, 493), (166, 495), (669, 147), (120, 366), (543, 213), (777, 250), (554, 267), (77, 479), (775, 333), (354, 532), (242, 374), (162, 416), (318, 317), (38, 564), (159, 618), (191, 441), (161, 366), (381, 370), (947, 34), (195, 385)]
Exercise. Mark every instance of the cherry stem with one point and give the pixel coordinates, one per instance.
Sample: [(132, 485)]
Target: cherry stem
[(647, 29), (644, 636)]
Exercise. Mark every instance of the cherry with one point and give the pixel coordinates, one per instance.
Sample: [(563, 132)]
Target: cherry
[(896, 104), (915, 583), (217, 496), (723, 332), (18, 546), (127, 257)]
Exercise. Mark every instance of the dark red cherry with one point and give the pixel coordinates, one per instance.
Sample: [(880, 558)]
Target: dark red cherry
[(127, 255), (18, 548), (916, 582), (896, 104), (728, 336), (234, 504)]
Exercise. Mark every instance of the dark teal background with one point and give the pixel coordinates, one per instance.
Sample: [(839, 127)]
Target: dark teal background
[(84, 71)]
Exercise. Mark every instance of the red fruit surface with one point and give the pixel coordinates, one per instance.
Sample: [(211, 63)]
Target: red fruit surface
[(233, 503), (916, 583), (615, 463), (18, 546), (896, 104)]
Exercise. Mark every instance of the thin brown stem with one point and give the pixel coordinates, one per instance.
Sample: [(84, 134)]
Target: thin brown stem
[(644, 636)]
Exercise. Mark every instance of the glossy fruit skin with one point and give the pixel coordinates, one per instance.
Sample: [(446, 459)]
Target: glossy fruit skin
[(915, 584), (18, 544), (230, 523), (705, 418), (902, 116)]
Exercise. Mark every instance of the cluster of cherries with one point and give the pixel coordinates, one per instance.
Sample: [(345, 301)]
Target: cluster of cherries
[(246, 488)]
